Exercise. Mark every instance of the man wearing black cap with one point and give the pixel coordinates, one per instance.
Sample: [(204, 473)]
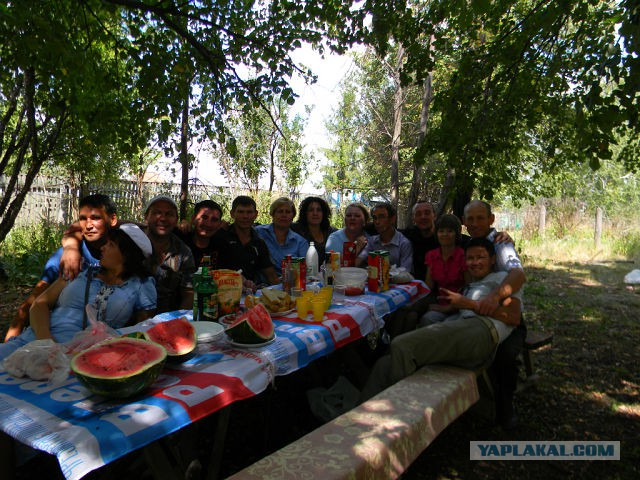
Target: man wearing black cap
[(172, 262)]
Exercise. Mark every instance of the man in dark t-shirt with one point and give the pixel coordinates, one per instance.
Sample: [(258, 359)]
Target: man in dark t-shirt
[(240, 247), (422, 235)]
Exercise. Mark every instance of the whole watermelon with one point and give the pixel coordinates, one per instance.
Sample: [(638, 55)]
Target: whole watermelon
[(119, 367)]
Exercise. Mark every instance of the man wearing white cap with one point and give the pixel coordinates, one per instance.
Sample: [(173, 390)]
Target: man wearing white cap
[(172, 262)]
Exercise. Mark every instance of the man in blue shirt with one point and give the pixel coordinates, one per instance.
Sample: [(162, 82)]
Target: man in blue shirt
[(388, 238), (96, 215)]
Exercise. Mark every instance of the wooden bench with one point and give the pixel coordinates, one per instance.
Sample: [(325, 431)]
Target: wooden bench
[(379, 438)]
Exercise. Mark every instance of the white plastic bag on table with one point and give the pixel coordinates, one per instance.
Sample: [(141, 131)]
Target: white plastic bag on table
[(95, 332), (39, 360), (399, 275)]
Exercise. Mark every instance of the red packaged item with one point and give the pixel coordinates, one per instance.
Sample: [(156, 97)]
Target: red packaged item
[(349, 254)]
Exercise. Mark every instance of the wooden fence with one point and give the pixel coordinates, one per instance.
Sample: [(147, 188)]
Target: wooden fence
[(52, 199)]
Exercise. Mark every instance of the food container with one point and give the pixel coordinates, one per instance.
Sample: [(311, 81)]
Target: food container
[(352, 278)]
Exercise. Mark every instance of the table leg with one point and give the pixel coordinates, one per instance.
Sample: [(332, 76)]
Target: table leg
[(219, 435), (7, 455)]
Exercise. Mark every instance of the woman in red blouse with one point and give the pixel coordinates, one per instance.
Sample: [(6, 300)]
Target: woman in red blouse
[(446, 267)]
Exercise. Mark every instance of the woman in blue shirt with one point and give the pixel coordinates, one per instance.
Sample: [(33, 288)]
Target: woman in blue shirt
[(279, 237), (121, 291)]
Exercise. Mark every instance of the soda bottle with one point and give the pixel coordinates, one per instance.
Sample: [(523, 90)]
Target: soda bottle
[(207, 299)]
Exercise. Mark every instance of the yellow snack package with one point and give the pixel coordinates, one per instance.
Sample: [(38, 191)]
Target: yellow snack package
[(229, 290)]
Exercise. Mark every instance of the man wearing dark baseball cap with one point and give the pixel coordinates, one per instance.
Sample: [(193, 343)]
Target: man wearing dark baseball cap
[(172, 262)]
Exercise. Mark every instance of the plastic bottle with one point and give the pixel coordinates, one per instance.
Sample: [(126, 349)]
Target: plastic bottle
[(312, 261)]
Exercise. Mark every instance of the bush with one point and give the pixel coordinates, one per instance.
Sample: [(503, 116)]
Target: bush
[(25, 250)]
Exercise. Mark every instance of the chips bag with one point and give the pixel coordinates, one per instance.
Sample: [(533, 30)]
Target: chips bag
[(229, 290)]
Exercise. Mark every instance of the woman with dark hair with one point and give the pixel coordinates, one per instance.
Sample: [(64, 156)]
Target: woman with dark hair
[(314, 223), (446, 267), (121, 291), (356, 217)]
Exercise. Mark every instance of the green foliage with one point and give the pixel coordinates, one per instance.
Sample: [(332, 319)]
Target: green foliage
[(25, 250)]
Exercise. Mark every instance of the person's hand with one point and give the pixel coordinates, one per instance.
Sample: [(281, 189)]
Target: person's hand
[(13, 332), (503, 237), (454, 298), (185, 226), (488, 305), (361, 242), (248, 286), (70, 263)]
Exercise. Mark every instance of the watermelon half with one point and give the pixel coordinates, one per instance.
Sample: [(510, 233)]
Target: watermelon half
[(177, 336), (119, 367), (253, 326)]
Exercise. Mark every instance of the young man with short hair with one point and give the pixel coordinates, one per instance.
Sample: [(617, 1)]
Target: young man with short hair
[(243, 248), (388, 238), (97, 213), (422, 235), (204, 227)]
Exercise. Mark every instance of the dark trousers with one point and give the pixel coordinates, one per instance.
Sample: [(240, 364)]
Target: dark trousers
[(504, 370)]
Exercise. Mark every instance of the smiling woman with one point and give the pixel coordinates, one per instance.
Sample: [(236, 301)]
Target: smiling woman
[(279, 237)]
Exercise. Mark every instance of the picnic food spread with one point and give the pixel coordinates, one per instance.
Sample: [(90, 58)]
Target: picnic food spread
[(276, 301)]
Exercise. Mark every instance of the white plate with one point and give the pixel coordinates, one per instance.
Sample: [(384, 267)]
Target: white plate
[(280, 314), (208, 331), (251, 345)]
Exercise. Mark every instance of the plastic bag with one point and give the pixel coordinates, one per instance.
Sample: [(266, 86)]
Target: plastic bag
[(632, 277), (400, 275), (328, 403), (39, 360), (96, 332)]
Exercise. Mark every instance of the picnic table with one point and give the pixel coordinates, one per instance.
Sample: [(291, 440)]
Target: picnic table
[(86, 432)]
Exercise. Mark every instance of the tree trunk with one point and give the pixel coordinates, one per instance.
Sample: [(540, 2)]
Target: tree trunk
[(184, 157), (418, 167), (398, 103), (9, 208)]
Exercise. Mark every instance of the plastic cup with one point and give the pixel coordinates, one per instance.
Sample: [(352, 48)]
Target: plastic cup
[(317, 307), (308, 294), (296, 292), (339, 294), (302, 306)]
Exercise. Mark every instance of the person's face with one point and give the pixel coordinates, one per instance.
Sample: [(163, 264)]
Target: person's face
[(354, 219), (206, 222), (446, 237), (314, 214), (477, 221), (423, 217), (382, 221), (95, 222), (479, 263), (111, 256), (161, 218), (283, 216), (244, 216)]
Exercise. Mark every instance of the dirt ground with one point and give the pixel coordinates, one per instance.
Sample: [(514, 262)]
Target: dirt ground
[(589, 388)]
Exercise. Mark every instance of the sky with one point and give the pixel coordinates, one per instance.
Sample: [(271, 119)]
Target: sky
[(322, 96)]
